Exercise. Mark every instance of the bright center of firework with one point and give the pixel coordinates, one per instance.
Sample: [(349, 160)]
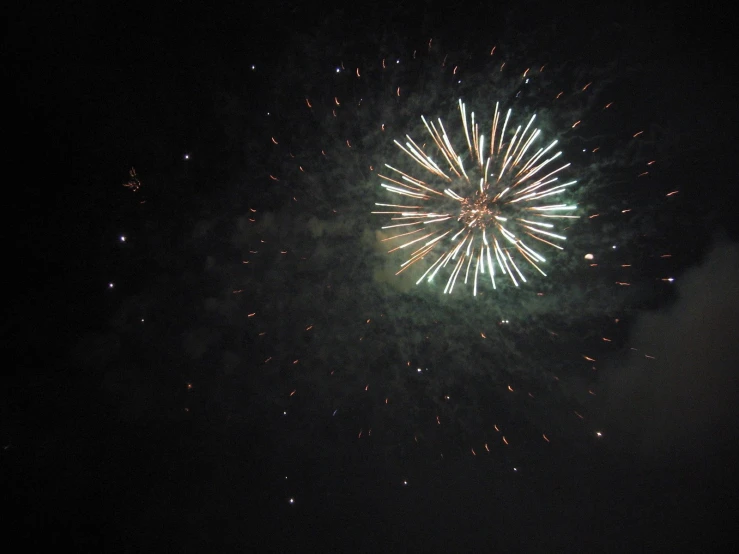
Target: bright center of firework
[(483, 218), (479, 211)]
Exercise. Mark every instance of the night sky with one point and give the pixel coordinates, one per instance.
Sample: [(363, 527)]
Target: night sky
[(210, 350)]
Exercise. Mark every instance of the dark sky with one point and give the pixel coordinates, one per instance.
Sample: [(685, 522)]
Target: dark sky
[(163, 393)]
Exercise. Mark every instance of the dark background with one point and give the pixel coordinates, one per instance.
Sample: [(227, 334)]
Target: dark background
[(125, 437)]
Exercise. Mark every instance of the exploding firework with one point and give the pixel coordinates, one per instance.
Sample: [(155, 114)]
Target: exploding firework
[(480, 216), (475, 202)]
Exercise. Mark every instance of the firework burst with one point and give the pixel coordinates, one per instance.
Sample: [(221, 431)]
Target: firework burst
[(486, 214), (475, 201)]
